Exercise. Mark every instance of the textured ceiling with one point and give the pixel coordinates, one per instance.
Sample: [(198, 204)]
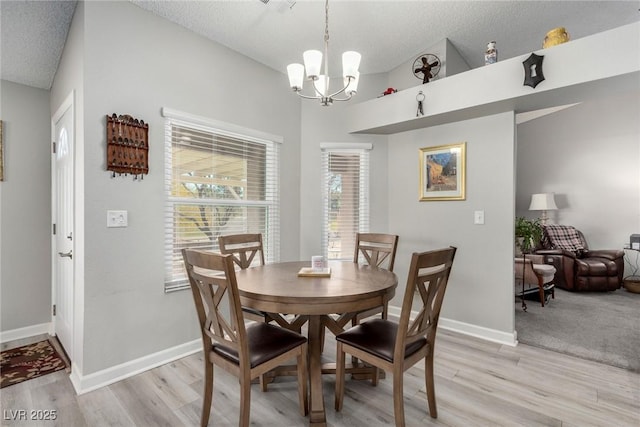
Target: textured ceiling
[(386, 33), (32, 39)]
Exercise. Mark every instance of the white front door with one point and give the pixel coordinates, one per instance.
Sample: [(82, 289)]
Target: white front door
[(63, 202)]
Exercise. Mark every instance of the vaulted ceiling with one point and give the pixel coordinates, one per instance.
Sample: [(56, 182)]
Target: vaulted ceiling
[(275, 33)]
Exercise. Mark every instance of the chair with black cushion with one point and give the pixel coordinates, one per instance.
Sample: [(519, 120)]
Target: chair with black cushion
[(245, 248), (395, 347), (377, 250), (246, 351)]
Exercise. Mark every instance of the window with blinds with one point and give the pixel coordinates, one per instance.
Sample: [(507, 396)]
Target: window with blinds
[(216, 183), (346, 199)]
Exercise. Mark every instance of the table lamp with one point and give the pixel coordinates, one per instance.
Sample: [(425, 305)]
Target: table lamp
[(543, 202)]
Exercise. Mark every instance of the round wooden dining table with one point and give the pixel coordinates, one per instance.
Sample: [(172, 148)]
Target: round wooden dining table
[(277, 288)]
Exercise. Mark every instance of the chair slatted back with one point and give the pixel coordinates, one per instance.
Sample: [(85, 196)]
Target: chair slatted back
[(376, 249), (428, 278), (243, 248), (215, 293)]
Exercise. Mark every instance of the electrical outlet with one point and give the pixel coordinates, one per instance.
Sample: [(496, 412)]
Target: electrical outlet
[(117, 219)]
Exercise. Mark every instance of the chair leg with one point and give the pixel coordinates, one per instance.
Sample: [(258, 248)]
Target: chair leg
[(354, 322), (263, 382), (245, 402), (302, 381), (339, 393), (208, 392), (375, 376), (429, 380), (398, 396), (541, 290), (263, 378)]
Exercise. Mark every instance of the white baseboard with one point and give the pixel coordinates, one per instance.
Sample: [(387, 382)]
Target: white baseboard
[(86, 383), (476, 331), (26, 332)]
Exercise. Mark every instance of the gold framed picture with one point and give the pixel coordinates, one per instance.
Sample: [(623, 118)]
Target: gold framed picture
[(442, 172)]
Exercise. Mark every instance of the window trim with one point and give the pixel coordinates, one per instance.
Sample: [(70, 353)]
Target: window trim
[(228, 129)]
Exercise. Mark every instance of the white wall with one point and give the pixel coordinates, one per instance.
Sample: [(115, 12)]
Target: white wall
[(25, 208), (137, 67), (480, 290), (589, 156)]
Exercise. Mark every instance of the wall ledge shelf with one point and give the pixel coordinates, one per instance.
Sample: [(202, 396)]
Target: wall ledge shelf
[(571, 77)]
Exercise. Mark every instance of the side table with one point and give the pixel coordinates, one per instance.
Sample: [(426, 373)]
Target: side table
[(536, 278)]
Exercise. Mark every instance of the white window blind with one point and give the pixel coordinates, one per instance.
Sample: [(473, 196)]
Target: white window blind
[(345, 198), (216, 183)]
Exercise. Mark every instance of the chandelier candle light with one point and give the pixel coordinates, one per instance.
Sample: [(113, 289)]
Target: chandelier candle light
[(320, 82)]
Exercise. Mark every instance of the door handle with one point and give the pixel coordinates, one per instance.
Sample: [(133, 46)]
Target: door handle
[(66, 255)]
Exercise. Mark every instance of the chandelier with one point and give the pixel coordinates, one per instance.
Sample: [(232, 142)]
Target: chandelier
[(320, 82)]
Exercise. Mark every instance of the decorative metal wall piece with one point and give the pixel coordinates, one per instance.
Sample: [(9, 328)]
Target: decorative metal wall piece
[(127, 146), (533, 74), (420, 98), (426, 67)]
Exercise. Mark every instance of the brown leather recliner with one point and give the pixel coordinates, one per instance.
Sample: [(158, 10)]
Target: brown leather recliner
[(578, 268)]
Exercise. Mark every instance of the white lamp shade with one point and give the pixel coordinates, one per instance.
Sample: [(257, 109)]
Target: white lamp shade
[(353, 84), (542, 202), (350, 63), (312, 63), (322, 84), (296, 75)]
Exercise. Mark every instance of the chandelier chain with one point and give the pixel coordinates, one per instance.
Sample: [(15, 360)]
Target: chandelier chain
[(326, 21), (326, 42)]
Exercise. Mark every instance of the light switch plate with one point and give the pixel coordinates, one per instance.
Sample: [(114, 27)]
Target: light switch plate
[(478, 217), (117, 219)]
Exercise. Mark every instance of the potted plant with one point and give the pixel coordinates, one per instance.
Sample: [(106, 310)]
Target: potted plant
[(528, 234)]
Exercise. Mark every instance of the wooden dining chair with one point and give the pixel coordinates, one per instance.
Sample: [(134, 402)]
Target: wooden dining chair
[(395, 347), (246, 351), (244, 248), (378, 250)]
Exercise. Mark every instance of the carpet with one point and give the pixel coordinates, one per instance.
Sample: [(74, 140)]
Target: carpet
[(599, 326), (29, 361)]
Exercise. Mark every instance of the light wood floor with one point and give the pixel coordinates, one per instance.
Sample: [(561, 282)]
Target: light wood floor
[(478, 383)]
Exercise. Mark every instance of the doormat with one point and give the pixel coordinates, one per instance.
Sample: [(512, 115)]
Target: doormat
[(29, 361)]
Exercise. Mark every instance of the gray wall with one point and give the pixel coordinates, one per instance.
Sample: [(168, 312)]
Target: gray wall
[(137, 67), (588, 155), (328, 124), (119, 272), (25, 207), (480, 290), (69, 81)]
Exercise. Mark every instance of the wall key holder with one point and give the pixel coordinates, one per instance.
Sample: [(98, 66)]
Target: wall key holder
[(127, 146)]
